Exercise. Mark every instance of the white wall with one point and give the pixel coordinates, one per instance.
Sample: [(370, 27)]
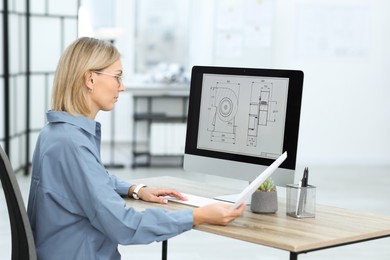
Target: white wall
[(345, 114)]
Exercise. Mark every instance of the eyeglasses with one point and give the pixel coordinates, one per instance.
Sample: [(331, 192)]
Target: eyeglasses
[(118, 78)]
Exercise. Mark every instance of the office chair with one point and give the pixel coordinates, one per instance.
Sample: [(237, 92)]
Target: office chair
[(23, 247)]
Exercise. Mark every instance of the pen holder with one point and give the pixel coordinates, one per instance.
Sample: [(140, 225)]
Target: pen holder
[(301, 201)]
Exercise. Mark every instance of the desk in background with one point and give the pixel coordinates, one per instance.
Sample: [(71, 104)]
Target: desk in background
[(332, 227), (146, 112)]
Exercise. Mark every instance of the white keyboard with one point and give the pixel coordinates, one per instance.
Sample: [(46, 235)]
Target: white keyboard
[(193, 200)]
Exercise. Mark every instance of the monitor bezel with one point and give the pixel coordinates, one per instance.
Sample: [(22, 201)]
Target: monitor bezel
[(293, 111)]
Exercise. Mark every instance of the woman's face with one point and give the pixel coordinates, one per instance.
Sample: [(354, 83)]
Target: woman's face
[(106, 86)]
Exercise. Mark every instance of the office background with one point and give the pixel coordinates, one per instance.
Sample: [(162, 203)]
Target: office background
[(342, 47), (33, 36)]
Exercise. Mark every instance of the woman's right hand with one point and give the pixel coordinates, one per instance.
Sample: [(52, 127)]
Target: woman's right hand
[(217, 214)]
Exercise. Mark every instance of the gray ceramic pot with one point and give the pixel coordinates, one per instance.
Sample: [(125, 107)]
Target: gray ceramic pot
[(264, 202)]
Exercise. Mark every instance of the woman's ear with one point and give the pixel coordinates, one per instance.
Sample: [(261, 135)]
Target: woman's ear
[(89, 80)]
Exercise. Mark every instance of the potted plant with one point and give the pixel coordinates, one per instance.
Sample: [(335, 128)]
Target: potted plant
[(265, 198)]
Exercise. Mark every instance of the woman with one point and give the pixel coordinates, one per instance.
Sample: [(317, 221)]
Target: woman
[(75, 205)]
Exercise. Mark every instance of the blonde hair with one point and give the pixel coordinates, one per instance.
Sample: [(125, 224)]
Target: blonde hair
[(83, 55)]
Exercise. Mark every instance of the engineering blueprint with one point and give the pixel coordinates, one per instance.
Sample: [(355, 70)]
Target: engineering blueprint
[(243, 114)]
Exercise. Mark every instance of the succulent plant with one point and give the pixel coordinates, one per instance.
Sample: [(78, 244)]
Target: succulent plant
[(267, 186)]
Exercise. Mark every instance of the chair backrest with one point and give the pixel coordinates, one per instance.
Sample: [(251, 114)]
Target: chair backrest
[(23, 247)]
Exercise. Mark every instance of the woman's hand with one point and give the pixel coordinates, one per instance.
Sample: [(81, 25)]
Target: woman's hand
[(157, 194), (217, 214)]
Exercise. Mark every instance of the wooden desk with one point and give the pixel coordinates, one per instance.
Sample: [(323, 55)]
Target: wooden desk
[(331, 227)]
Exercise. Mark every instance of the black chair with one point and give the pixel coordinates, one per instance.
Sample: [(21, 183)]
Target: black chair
[(23, 247)]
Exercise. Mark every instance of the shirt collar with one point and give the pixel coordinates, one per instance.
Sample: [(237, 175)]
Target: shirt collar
[(83, 122)]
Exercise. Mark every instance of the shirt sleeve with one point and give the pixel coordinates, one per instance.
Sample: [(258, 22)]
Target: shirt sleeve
[(120, 186), (96, 192)]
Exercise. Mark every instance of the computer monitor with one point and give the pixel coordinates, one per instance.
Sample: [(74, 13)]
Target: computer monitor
[(241, 119)]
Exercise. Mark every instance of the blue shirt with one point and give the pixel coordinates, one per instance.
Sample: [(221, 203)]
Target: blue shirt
[(75, 207)]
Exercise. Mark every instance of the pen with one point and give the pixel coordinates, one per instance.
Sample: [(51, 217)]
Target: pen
[(302, 192), (297, 207), (305, 177)]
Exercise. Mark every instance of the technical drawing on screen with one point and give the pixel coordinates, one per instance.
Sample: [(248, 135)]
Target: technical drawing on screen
[(241, 119), (243, 122)]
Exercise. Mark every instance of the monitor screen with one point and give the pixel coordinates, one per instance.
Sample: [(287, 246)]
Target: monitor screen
[(241, 119)]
